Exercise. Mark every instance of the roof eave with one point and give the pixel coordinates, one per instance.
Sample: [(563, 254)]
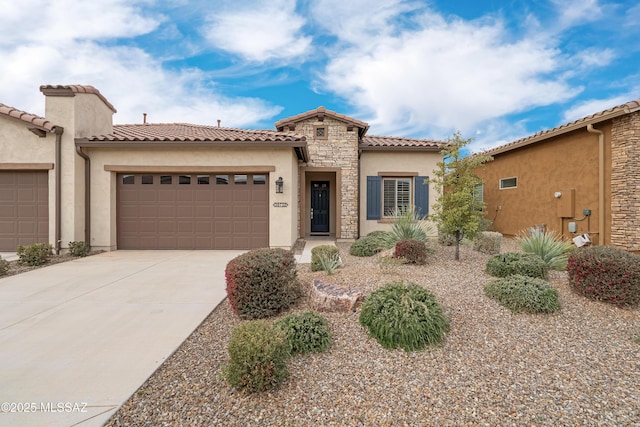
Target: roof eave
[(85, 142), (398, 148)]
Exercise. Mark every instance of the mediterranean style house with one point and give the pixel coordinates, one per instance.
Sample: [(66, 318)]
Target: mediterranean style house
[(75, 176), (579, 178)]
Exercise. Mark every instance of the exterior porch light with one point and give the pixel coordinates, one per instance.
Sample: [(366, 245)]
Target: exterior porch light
[(279, 186)]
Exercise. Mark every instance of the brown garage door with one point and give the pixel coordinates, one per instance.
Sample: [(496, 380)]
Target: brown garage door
[(190, 211), (24, 208)]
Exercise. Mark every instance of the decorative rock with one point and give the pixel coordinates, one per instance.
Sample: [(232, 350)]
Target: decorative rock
[(333, 298)]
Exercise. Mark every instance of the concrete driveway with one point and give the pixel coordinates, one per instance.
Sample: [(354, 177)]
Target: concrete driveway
[(78, 338)]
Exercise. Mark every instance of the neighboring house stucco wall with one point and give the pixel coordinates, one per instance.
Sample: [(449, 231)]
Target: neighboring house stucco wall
[(389, 164), (567, 164), (625, 182), (282, 161)]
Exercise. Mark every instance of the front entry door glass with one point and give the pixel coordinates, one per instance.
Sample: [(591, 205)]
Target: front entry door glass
[(320, 206)]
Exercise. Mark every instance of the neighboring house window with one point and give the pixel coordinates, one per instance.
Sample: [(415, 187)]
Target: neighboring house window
[(478, 192), (396, 196), (508, 183), (384, 194)]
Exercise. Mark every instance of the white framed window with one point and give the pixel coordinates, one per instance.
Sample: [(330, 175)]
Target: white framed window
[(506, 183), (478, 192), (396, 196)]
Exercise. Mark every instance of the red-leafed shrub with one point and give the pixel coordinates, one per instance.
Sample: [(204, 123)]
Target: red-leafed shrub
[(414, 251), (605, 274), (262, 282)]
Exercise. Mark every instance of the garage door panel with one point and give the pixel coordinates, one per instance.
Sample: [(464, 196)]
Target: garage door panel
[(24, 208), (204, 212)]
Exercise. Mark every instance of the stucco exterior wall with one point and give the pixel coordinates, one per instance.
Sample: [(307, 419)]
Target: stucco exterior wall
[(372, 163), (566, 164), (625, 182), (20, 147), (339, 150), (80, 115), (282, 219)]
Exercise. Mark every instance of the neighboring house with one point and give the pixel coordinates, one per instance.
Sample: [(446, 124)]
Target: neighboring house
[(74, 176), (581, 177)]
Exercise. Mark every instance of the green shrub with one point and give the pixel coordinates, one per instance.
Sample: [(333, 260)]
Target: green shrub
[(35, 254), (413, 251), (405, 316), (605, 274), (488, 242), (325, 257), (384, 239), (258, 356), (524, 294), (307, 332), (78, 249), (548, 245), (503, 265), (262, 282), (366, 246), (4, 266)]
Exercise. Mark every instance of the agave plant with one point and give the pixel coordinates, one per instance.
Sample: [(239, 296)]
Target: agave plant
[(548, 245)]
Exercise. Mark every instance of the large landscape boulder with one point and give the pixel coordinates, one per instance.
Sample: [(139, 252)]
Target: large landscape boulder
[(333, 298)]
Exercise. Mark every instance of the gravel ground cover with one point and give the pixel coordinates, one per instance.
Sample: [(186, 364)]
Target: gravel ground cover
[(579, 367)]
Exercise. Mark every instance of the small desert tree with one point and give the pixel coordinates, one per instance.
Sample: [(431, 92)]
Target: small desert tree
[(458, 211)]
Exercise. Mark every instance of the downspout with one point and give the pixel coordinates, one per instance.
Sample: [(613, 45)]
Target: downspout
[(58, 130), (87, 195), (590, 129)]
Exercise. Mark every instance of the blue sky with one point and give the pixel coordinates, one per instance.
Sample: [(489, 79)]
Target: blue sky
[(495, 70)]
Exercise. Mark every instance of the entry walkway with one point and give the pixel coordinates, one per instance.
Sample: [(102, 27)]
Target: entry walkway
[(78, 338)]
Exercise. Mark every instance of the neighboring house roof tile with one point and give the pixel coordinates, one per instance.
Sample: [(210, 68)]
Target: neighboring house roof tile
[(620, 110), (322, 112), (184, 132), (29, 118), (71, 90), (384, 142)]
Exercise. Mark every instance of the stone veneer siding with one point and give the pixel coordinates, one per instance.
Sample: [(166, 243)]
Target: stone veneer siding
[(625, 182), (339, 150)]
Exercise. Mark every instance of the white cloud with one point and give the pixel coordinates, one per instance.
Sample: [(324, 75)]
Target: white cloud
[(592, 106), (576, 12), (40, 44), (259, 31), (445, 75)]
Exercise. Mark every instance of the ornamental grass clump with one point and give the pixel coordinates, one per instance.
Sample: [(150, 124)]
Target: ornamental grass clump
[(307, 332), (547, 245), (262, 282), (258, 356), (605, 274), (523, 294), (404, 315), (506, 264), (325, 258), (408, 224)]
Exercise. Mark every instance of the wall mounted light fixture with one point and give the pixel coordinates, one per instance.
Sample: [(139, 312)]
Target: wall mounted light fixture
[(279, 186)]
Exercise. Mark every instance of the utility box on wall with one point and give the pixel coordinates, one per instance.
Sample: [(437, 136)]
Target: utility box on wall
[(566, 203)]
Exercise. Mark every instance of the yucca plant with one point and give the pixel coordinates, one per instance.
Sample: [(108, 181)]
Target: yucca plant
[(548, 245), (408, 224)]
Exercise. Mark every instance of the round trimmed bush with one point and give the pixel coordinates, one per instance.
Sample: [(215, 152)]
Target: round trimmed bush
[(524, 294), (262, 282), (321, 255), (307, 332), (605, 274), (414, 251), (366, 246), (406, 316), (503, 265), (258, 356)]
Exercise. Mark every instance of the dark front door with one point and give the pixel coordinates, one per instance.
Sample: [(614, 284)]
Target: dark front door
[(319, 206)]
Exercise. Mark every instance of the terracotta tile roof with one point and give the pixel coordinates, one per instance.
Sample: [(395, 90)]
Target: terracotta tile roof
[(184, 132), (32, 119), (71, 90), (380, 142), (321, 112), (620, 110)]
